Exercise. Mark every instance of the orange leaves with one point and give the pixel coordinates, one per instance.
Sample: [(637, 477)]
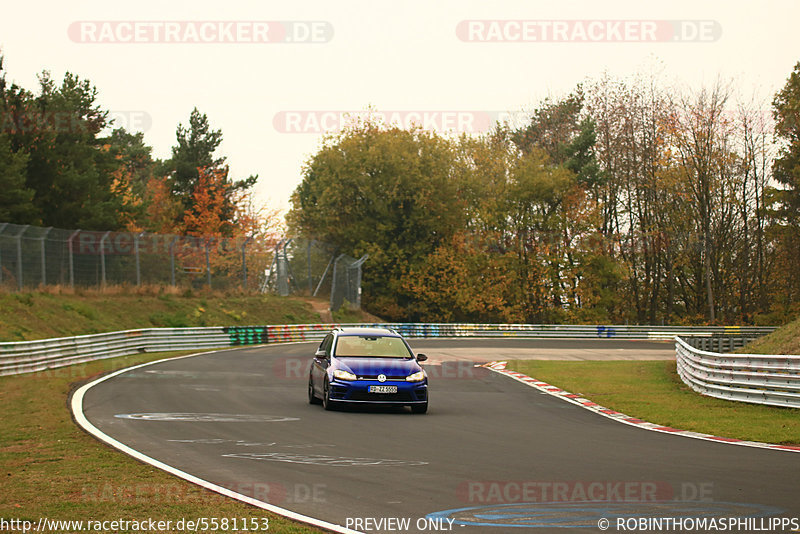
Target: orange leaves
[(208, 215), (458, 281), (162, 207)]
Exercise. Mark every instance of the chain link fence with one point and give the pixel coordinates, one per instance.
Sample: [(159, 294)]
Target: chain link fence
[(32, 256), (308, 266)]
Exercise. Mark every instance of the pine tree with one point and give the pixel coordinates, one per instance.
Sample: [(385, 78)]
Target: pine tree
[(16, 200), (196, 145)]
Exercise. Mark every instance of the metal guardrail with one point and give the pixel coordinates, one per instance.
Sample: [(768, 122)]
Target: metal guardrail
[(753, 378), (633, 332), (719, 343), (31, 356)]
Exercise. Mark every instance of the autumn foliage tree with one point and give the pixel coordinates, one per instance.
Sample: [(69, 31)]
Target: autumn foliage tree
[(56, 167), (386, 192), (162, 209), (206, 215), (786, 198), (626, 201)]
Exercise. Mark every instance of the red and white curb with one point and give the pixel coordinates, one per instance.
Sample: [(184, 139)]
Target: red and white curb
[(544, 387)]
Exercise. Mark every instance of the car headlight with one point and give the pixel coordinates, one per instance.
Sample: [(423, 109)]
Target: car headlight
[(416, 377), (344, 375)]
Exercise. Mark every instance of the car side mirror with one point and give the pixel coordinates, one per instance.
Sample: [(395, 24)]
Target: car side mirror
[(321, 353), (421, 358)]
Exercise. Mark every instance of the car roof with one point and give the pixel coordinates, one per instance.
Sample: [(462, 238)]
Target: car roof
[(366, 331)]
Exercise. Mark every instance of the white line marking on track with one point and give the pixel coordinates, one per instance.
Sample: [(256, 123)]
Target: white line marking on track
[(76, 405), (207, 417), (319, 459)]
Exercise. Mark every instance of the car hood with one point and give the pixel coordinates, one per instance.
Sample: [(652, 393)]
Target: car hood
[(370, 367)]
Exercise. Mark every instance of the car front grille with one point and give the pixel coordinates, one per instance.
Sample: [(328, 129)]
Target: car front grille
[(388, 377), (401, 396)]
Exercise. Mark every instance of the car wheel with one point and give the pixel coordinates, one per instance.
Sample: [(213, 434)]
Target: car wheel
[(312, 398), (327, 403), (419, 408)]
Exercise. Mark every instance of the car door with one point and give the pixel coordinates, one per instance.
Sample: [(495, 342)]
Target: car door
[(320, 364)]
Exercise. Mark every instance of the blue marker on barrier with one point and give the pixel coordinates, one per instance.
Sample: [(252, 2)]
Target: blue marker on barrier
[(606, 331)]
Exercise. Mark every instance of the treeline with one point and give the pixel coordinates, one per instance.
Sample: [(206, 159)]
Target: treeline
[(63, 163), (626, 201)]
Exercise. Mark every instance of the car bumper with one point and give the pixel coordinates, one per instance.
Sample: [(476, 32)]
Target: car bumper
[(358, 391)]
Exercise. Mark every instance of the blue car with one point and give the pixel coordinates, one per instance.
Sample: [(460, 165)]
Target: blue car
[(367, 365)]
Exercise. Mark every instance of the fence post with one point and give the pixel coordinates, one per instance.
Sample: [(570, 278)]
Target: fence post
[(244, 262), (103, 259), (208, 263), (308, 257), (289, 274), (357, 290), (2, 228), (71, 260), (136, 238), (273, 266), (44, 258), (324, 274), (282, 281), (333, 282), (172, 260), (19, 256)]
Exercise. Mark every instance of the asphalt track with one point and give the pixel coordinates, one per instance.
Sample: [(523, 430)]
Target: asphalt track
[(492, 455)]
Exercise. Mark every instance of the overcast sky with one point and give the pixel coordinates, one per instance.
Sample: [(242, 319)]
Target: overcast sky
[(442, 63)]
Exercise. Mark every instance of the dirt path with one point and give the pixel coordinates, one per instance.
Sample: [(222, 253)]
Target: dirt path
[(322, 307)]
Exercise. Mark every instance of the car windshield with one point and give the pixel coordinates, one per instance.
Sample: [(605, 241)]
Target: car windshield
[(372, 347)]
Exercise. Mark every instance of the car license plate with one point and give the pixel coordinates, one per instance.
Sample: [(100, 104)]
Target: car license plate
[(383, 389)]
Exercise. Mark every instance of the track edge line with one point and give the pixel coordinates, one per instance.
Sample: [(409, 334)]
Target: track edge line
[(76, 406)]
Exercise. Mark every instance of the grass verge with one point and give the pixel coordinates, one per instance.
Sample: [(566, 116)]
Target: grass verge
[(653, 391), (52, 469), (60, 312), (784, 340)]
